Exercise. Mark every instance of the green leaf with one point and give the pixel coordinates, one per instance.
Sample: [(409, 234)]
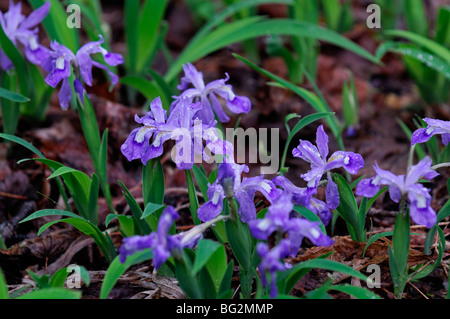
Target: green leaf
[(416, 17), (12, 96), (22, 142), (188, 282), (444, 212), (315, 101), (59, 278), (92, 207), (152, 213), (56, 24), (52, 293), (240, 241), (104, 242), (128, 224), (225, 284), (146, 226), (348, 208), (217, 267), (153, 184), (422, 56), (249, 28), (131, 33), (434, 47), (331, 265), (423, 272), (202, 181), (48, 212), (193, 199), (358, 292), (374, 238), (3, 286), (206, 248), (10, 110), (148, 30), (117, 269), (146, 87)]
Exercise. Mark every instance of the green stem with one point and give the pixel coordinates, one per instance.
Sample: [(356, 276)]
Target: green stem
[(435, 167), (193, 199), (97, 146), (400, 244)]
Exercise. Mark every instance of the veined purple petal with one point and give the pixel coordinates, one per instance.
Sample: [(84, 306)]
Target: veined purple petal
[(155, 149), (133, 244), (85, 67), (136, 143), (65, 94), (262, 228), (13, 17), (368, 187), (61, 70), (311, 231), (421, 135), (36, 17), (79, 88), (270, 262), (239, 104), (37, 56), (434, 127), (386, 177), (213, 207), (158, 112), (445, 138), (300, 196), (440, 125), (191, 75), (332, 193), (395, 193), (247, 210), (423, 215), (421, 169), (112, 59), (217, 107), (351, 162), (321, 209), (309, 153), (322, 142)]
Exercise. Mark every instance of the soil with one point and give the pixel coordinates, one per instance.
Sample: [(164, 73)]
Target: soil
[(385, 92)]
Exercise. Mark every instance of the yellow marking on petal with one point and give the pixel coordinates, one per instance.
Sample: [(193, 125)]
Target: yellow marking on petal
[(140, 135), (334, 158)]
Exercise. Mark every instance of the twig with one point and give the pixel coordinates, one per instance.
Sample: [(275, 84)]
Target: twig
[(418, 290), (13, 196)]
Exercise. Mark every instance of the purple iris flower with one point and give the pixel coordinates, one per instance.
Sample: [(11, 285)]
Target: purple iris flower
[(279, 218), (317, 157), (417, 195), (146, 142), (21, 29), (229, 184), (434, 127), (303, 197), (160, 242), (207, 95), (61, 60), (270, 263)]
